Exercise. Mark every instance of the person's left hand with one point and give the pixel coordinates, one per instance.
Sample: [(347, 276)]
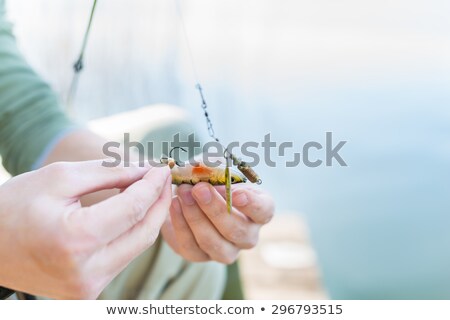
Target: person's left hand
[(200, 228)]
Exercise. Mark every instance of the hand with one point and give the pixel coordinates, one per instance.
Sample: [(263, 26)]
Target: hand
[(200, 228), (51, 246)]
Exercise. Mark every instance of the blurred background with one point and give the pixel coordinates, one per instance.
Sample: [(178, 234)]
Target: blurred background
[(375, 73)]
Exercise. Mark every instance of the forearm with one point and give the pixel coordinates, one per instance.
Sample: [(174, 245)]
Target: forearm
[(31, 118)]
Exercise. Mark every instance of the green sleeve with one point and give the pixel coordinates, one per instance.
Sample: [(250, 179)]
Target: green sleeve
[(30, 114)]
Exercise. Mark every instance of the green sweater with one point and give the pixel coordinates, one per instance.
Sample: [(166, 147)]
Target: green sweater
[(31, 117)]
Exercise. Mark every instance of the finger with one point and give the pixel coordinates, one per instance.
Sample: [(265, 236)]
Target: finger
[(255, 204), (206, 235), (112, 217), (178, 234), (74, 179), (234, 227), (129, 245)]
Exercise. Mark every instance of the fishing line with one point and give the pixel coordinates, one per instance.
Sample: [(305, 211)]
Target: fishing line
[(194, 69), (79, 64), (186, 39)]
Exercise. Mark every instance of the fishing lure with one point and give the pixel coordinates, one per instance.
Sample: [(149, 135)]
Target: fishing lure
[(194, 173), (188, 173)]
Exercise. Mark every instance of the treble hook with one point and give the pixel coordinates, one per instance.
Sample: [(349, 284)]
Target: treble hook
[(171, 150)]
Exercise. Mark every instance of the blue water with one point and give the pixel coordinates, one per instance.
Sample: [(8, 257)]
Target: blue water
[(375, 74)]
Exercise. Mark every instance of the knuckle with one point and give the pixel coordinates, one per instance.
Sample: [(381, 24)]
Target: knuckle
[(194, 217), (77, 237), (137, 211), (217, 211), (65, 251), (122, 173), (189, 246), (263, 215), (209, 246), (137, 207), (266, 219), (258, 207), (151, 185), (229, 257), (267, 211), (198, 257), (191, 251), (158, 187), (85, 233), (218, 251), (150, 237), (250, 242), (70, 251), (216, 208), (70, 258), (237, 234)]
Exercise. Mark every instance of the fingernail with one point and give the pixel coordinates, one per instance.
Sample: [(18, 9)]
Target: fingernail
[(187, 198), (240, 199), (203, 194)]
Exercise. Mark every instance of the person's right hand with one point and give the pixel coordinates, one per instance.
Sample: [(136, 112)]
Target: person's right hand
[(53, 247)]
